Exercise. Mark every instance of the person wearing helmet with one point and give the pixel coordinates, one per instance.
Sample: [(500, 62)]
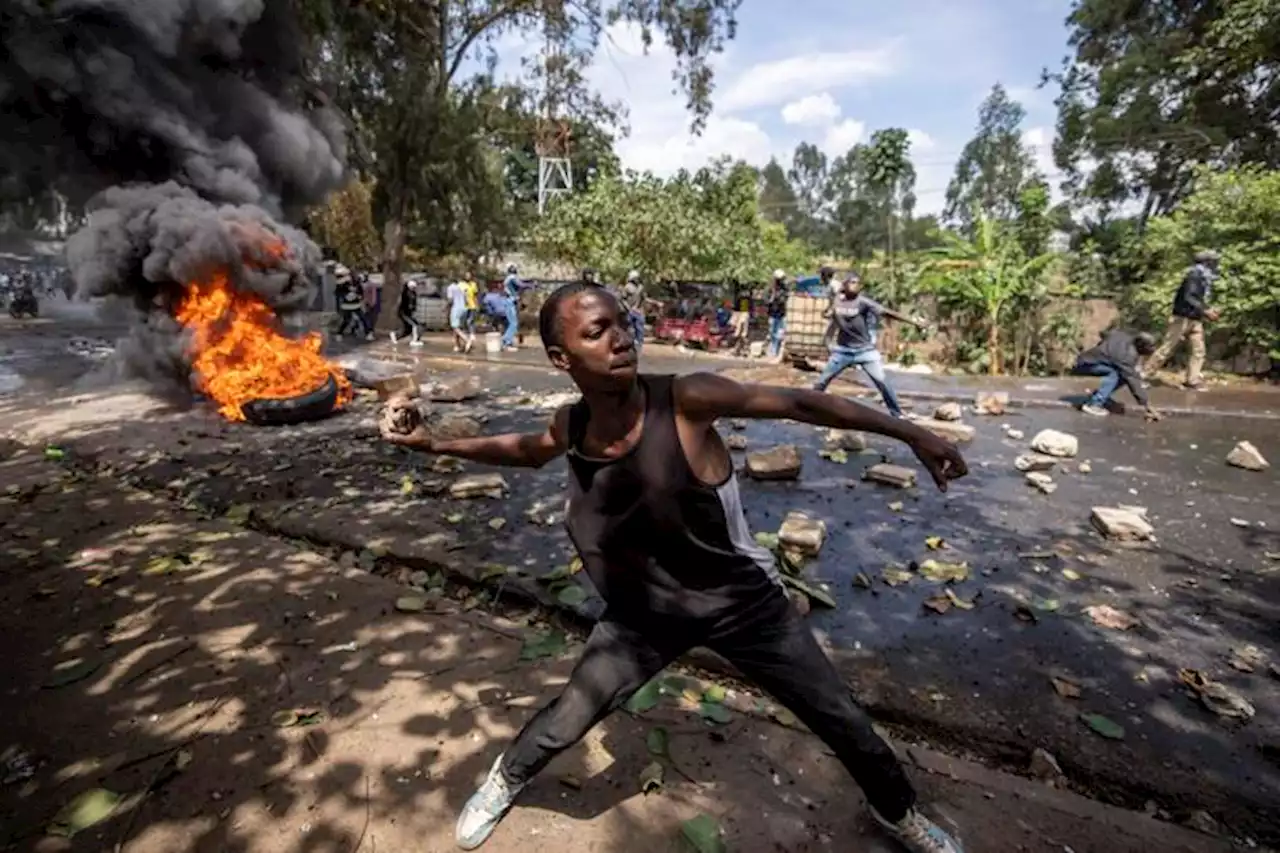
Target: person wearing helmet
[(777, 310), (632, 299), (350, 303), (1190, 311), (851, 339)]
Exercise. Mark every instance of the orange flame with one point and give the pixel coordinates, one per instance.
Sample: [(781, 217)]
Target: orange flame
[(239, 356)]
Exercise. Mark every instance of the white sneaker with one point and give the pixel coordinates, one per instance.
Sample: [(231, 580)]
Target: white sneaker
[(415, 343), (1096, 411), (471, 341), (486, 809), (370, 336), (512, 348), (918, 834), (394, 337)]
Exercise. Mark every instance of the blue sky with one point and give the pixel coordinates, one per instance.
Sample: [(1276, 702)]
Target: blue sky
[(832, 71)]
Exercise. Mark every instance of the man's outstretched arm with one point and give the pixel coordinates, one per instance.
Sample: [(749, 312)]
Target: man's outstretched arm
[(513, 449), (705, 397)]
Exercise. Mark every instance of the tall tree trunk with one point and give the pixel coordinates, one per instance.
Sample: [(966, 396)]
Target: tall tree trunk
[(993, 344), (392, 261)]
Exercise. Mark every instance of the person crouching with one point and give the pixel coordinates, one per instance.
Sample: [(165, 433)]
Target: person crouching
[(1115, 359)]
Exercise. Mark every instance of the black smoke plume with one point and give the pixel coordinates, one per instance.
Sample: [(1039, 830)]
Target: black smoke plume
[(191, 126)]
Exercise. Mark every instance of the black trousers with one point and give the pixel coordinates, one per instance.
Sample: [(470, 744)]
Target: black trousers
[(772, 646), (352, 320)]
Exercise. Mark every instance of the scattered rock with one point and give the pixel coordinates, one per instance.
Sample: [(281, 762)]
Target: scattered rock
[(953, 431), (799, 532), (454, 426), (478, 485), (948, 412), (777, 463), (1247, 658), (1217, 697), (891, 475), (1015, 434), (1121, 523), (457, 389), (737, 423), (400, 415), (1034, 462), (736, 442), (845, 439), (1084, 468), (1245, 455), (1202, 821), (1050, 442), (1044, 766), (1041, 481), (405, 384), (756, 349), (991, 402), (1106, 616)]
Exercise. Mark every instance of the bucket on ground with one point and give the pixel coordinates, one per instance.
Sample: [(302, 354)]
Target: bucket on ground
[(492, 343)]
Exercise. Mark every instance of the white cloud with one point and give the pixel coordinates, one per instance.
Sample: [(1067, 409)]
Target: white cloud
[(841, 137), (920, 141), (655, 149), (774, 82), (818, 110)]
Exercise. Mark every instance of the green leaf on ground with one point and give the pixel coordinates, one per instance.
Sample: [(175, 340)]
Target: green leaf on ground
[(962, 603), (90, 808), (1071, 574), (658, 741), (714, 693), (940, 572), (767, 540), (837, 456), (549, 645), (406, 485), (411, 604), (436, 580), (646, 698), (651, 778), (1103, 726), (673, 685), (489, 571), (934, 543), (896, 575), (703, 834), (54, 453), (1048, 605), (497, 523), (715, 712), (572, 595), (559, 573), (238, 513), (71, 671), (815, 592), (455, 517)]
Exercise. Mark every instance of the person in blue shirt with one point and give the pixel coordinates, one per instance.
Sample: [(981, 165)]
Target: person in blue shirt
[(514, 289), (497, 305)]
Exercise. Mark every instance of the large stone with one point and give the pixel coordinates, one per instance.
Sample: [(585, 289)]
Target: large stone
[(1034, 462), (777, 463), (457, 389), (891, 475), (953, 431), (1041, 481), (991, 402), (478, 486), (849, 440), (1124, 523), (1050, 442), (801, 533), (948, 412), (1245, 455), (400, 415), (405, 385), (448, 427), (1044, 766), (736, 441)]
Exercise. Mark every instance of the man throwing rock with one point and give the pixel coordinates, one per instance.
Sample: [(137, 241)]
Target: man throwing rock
[(1115, 359)]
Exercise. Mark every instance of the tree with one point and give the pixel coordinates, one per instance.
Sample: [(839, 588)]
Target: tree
[(809, 178), (410, 74), (993, 168), (345, 224), (778, 201), (986, 272), (1152, 89), (1237, 213), (891, 176), (1033, 222)]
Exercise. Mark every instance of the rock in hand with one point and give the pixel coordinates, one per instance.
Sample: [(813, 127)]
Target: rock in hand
[(400, 415)]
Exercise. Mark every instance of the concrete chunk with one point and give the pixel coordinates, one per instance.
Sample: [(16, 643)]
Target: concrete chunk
[(478, 486), (1122, 523), (801, 533), (1041, 481), (1034, 462), (845, 439), (991, 402), (953, 431), (1050, 442), (947, 412), (406, 384), (777, 463), (1245, 455), (891, 475), (457, 389)]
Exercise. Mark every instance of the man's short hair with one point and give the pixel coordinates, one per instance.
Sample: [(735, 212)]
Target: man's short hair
[(1144, 342), (549, 326)]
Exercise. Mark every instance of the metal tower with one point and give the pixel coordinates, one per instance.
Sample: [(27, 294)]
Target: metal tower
[(552, 138)]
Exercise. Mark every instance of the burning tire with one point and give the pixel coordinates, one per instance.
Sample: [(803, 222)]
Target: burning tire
[(293, 410)]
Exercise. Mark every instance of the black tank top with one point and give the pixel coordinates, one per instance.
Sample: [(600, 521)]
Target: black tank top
[(653, 538)]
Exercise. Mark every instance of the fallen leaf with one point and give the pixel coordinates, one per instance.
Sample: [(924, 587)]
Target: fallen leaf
[(1066, 688), (658, 741), (1103, 726), (490, 571), (861, 579), (938, 603), (164, 565), (71, 671), (548, 645), (455, 517), (714, 693), (1048, 605), (411, 604), (406, 485), (715, 712), (813, 591), (1107, 616), (497, 523), (1071, 574), (837, 456), (896, 575), (963, 604), (572, 595), (646, 698), (90, 808), (938, 571), (571, 782), (767, 540), (934, 543), (651, 777), (238, 513), (54, 453), (1217, 697), (703, 833), (783, 717), (295, 717)]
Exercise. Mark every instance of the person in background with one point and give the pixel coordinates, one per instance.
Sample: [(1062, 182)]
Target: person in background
[(830, 286), (777, 309), (372, 291), (1115, 359), (723, 315), (851, 338), (497, 307), (515, 288), (471, 292), (1190, 311), (350, 303), (632, 299), (407, 313), (457, 296), (740, 317)]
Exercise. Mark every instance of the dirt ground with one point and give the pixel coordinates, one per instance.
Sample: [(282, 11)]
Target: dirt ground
[(243, 693)]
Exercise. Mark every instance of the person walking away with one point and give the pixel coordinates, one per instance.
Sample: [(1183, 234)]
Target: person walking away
[(851, 339), (656, 515), (777, 310), (1190, 311), (372, 302), (1115, 359), (471, 292), (633, 301), (350, 304), (515, 289), (740, 318), (407, 314), (457, 296)]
